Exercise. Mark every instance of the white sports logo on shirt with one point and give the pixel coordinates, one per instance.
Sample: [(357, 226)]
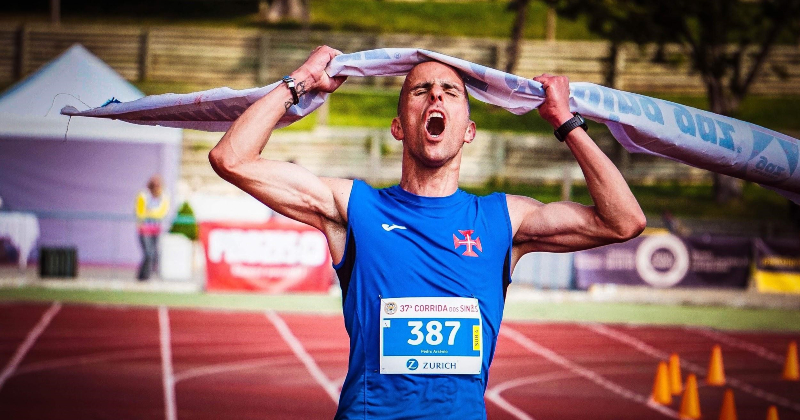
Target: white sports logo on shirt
[(389, 228)]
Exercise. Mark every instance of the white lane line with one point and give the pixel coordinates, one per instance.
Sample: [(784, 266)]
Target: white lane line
[(640, 345), (530, 380), (697, 369), (548, 354), (340, 382), (759, 351), (167, 376), (81, 360), (330, 388), (552, 377), (507, 406), (493, 393), (233, 367), (29, 341)]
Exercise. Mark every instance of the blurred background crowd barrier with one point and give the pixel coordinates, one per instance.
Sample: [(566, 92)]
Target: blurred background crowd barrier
[(242, 58), (79, 194)]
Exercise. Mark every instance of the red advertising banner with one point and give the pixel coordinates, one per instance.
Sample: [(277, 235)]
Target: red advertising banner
[(277, 256)]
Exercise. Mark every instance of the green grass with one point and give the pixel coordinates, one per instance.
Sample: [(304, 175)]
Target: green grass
[(697, 201), (363, 109), (373, 108), (694, 201), (439, 18), (627, 313), (367, 16), (716, 317), (158, 88), (777, 113), (227, 301)]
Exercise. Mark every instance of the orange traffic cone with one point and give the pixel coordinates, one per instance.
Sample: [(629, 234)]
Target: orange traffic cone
[(690, 403), (675, 380), (790, 369), (716, 371), (772, 413), (661, 393), (728, 410)]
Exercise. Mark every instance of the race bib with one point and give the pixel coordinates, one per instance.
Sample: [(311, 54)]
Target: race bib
[(431, 336)]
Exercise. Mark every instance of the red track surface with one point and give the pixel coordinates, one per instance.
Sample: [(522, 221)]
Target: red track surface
[(94, 362)]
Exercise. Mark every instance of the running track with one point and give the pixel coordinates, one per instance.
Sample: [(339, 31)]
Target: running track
[(109, 362)]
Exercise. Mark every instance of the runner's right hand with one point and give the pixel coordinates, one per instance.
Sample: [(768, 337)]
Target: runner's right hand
[(314, 69)]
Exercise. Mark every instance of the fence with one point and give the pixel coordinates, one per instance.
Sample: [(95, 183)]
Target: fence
[(373, 155), (242, 58)]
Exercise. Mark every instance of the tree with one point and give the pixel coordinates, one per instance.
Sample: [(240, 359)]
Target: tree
[(517, 32), (184, 222), (727, 41), (55, 12), (617, 22), (520, 7)]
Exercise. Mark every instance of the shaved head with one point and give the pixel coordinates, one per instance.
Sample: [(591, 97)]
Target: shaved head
[(457, 83), (433, 119)]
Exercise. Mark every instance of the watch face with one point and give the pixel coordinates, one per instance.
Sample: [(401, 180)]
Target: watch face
[(583, 122)]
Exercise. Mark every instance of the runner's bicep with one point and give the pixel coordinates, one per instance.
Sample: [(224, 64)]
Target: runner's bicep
[(290, 190), (557, 227)]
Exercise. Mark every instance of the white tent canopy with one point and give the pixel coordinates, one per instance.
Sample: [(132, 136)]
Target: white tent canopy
[(30, 109), (80, 176)]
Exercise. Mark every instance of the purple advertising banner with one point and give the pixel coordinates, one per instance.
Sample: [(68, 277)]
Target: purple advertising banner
[(665, 260)]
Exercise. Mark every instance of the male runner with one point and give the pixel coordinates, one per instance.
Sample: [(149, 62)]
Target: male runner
[(423, 265)]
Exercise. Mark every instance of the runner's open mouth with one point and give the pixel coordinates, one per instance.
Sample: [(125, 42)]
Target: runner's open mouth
[(435, 124)]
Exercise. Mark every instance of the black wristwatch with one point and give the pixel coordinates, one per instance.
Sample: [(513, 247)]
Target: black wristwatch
[(290, 84), (571, 124)]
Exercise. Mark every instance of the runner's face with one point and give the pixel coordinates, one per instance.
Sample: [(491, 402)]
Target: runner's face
[(434, 114)]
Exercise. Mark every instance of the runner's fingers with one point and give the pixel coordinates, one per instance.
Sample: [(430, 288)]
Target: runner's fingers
[(333, 83)]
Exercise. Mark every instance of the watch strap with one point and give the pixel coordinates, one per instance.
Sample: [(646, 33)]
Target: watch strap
[(289, 81), (571, 124)]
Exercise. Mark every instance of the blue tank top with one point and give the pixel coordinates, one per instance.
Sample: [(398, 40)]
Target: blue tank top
[(403, 245)]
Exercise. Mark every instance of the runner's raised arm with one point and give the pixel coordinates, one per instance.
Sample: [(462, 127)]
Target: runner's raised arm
[(424, 249), (566, 226), (285, 187)]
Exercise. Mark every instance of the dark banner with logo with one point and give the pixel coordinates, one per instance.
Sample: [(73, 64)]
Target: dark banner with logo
[(665, 260), (777, 266)]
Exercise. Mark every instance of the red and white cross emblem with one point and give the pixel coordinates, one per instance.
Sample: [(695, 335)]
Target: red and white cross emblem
[(468, 241)]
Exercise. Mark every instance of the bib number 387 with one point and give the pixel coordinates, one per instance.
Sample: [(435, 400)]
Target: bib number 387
[(430, 336)]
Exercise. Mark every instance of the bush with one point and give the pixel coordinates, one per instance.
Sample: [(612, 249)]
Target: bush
[(185, 223)]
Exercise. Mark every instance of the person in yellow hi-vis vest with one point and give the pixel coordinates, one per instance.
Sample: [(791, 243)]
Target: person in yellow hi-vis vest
[(152, 206)]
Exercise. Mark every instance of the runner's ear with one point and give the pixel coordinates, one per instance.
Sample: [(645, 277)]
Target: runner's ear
[(397, 129), (469, 135)]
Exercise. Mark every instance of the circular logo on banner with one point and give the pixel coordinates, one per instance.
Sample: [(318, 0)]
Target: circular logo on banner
[(412, 364), (662, 260), (390, 308), (772, 160)]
